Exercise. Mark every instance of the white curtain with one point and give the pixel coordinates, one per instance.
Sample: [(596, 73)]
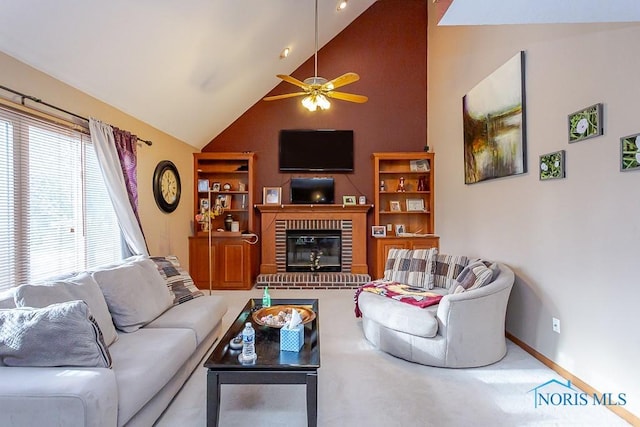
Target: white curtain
[(104, 143)]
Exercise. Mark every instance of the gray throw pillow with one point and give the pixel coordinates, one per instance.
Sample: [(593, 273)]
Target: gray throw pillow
[(81, 287), (63, 334), (135, 292)]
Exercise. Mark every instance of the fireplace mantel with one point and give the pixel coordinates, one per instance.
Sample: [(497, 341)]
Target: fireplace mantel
[(272, 215)]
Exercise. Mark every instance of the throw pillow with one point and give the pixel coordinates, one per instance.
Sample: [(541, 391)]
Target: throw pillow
[(63, 334), (411, 267), (81, 287), (135, 292), (474, 275), (180, 283), (447, 269)]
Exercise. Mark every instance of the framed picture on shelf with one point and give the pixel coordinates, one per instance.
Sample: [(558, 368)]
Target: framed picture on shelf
[(271, 195), (362, 200), (204, 205), (378, 231), (630, 152), (400, 229), (349, 200), (225, 201), (420, 165), (215, 186), (394, 206), (415, 205), (586, 123), (203, 185)]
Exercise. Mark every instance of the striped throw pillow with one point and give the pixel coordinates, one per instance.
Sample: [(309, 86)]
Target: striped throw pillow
[(411, 267), (180, 284), (447, 269), (474, 275)]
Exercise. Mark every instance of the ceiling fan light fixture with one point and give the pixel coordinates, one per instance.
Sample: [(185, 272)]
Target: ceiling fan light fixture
[(314, 101), (342, 4)]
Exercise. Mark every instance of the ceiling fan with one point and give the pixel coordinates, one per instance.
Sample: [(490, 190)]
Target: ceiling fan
[(317, 89)]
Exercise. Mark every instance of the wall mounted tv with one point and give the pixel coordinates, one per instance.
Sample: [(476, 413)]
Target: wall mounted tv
[(311, 150)]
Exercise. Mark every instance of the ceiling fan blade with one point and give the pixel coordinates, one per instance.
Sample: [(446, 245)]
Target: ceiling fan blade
[(286, 95), (342, 80), (293, 81), (360, 99)]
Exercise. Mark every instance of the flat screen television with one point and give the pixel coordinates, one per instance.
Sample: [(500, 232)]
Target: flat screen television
[(310, 150), (312, 191)]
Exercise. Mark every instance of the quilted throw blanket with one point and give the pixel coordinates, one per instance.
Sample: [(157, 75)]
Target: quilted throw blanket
[(404, 293)]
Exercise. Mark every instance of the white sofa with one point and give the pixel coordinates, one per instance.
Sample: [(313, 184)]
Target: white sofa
[(149, 365), (465, 329)]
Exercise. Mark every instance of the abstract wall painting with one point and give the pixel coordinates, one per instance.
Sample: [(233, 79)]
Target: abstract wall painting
[(552, 165), (630, 152), (494, 124), (586, 123)]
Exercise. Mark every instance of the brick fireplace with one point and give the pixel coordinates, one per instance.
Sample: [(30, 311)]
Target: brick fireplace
[(350, 221)]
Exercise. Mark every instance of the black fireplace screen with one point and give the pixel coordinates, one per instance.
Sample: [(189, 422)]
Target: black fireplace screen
[(314, 250)]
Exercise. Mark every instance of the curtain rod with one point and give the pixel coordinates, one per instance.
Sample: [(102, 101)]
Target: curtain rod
[(39, 101)]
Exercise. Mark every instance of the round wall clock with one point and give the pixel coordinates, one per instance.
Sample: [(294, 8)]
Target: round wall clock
[(166, 186)]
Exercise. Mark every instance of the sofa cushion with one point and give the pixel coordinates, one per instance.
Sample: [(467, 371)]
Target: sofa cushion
[(180, 283), (144, 361), (201, 315), (473, 276), (135, 293), (7, 298), (64, 334), (447, 269), (81, 287), (398, 316), (411, 267)]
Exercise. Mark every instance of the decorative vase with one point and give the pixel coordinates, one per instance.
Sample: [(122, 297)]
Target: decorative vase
[(227, 222)]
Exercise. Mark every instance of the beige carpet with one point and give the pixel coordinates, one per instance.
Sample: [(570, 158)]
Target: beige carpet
[(361, 386)]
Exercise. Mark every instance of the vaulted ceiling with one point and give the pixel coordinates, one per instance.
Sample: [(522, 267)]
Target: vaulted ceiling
[(190, 68)]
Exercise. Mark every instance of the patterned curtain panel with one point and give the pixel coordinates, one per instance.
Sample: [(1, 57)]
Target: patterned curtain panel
[(126, 146)]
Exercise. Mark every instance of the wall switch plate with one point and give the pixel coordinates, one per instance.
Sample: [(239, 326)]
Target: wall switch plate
[(556, 325)]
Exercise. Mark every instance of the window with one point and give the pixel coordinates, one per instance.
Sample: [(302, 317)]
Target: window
[(55, 213)]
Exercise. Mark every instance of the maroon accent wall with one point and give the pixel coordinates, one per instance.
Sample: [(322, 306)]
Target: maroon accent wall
[(387, 47)]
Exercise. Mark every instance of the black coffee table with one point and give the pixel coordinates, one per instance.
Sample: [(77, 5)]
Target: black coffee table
[(272, 365)]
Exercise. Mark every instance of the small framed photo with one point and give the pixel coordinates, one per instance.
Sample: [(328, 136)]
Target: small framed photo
[(394, 206), (552, 165), (225, 201), (378, 231), (415, 205), (630, 152), (349, 200), (215, 186), (362, 200), (400, 229), (204, 205), (586, 123), (203, 185), (420, 165), (272, 195)]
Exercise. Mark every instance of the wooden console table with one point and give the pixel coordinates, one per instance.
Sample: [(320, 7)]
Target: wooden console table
[(270, 214)]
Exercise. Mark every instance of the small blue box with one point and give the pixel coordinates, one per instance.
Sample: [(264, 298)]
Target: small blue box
[(292, 339)]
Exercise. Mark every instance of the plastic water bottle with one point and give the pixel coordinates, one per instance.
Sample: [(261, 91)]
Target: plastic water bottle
[(248, 343), (266, 298)]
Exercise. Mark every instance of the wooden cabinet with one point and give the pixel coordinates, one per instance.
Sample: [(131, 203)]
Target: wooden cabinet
[(224, 183), (232, 260), (403, 203)]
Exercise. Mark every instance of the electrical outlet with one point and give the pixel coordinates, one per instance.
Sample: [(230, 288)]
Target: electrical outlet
[(556, 325)]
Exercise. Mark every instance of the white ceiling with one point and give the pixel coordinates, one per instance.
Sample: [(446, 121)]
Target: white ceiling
[(495, 12), (192, 67), (188, 68)]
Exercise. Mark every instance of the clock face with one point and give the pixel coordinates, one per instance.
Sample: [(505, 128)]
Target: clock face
[(166, 186)]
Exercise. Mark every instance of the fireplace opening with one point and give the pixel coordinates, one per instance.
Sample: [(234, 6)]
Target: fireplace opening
[(314, 250)]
